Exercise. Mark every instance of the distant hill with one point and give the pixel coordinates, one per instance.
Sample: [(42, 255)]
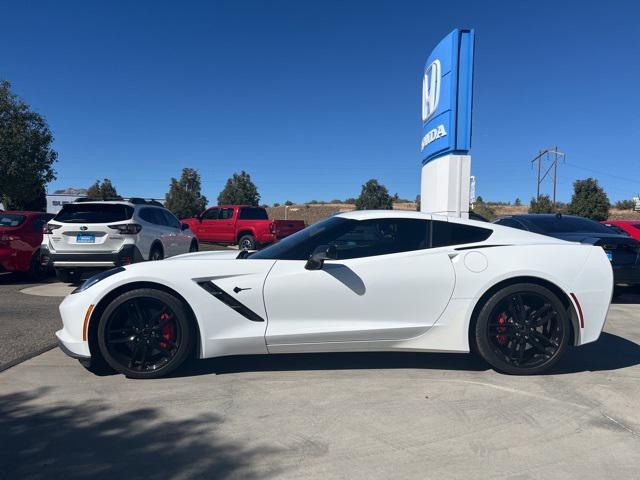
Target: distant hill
[(312, 213)]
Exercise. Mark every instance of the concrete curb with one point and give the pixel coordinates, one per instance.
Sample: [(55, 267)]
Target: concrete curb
[(28, 356)]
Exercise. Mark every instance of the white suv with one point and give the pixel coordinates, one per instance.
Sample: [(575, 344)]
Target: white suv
[(104, 234)]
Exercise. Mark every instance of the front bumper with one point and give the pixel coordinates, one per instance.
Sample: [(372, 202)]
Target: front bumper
[(126, 255), (73, 337)]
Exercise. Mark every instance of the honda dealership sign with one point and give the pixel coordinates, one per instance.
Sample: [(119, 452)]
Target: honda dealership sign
[(447, 94)]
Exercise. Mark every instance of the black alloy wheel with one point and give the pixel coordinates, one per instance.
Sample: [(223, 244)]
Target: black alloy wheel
[(145, 333), (522, 329)]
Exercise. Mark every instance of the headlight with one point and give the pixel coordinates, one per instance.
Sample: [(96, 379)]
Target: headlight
[(97, 278)]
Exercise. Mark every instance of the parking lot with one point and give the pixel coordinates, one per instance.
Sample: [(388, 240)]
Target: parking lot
[(323, 415)]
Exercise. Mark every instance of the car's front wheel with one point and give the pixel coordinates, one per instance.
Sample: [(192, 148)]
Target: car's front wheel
[(522, 329), (145, 333)]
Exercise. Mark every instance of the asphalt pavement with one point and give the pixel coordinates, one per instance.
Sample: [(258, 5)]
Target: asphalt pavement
[(27, 322), (356, 416)]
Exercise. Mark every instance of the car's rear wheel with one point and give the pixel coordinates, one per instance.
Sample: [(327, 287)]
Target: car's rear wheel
[(145, 333), (156, 253), (193, 247), (247, 242), (68, 275), (522, 329), (36, 271)]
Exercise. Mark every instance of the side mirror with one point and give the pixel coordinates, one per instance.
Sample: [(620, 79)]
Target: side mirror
[(184, 226), (319, 255)]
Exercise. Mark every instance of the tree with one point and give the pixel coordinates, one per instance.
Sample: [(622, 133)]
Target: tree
[(418, 202), (288, 203), (374, 196), (542, 204), (184, 197), (276, 204), (484, 210), (26, 156), (350, 201), (239, 190), (589, 200), (103, 191), (518, 202), (625, 205)]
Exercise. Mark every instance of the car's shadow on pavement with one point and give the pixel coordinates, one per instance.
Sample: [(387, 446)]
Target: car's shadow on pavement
[(332, 361), (9, 278), (610, 352)]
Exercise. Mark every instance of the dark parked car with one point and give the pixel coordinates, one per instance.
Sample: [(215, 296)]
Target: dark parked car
[(622, 250)]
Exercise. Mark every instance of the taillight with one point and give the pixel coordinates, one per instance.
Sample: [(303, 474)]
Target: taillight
[(127, 228), (49, 228)]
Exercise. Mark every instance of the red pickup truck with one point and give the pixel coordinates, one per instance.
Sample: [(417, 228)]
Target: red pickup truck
[(246, 226)]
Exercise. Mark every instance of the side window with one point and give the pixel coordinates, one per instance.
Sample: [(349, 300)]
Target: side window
[(170, 218), (382, 237), (211, 214), (146, 215), (449, 233), (226, 213), (153, 215), (253, 213)]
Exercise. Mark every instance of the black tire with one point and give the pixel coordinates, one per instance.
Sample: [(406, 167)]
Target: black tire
[(194, 246), (133, 336), (247, 242), (522, 329), (67, 275), (156, 253), (36, 271), (97, 365)]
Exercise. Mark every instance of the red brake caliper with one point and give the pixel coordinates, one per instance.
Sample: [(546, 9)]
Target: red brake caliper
[(501, 338), (167, 329)]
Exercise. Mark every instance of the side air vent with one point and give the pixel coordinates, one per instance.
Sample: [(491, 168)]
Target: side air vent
[(230, 302)]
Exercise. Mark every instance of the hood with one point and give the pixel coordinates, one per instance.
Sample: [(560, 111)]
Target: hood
[(214, 255)]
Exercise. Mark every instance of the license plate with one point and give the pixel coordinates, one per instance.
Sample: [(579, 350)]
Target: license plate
[(85, 239), (609, 255)]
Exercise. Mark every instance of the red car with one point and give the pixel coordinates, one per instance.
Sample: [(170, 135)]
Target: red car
[(246, 226), (20, 239), (630, 227)]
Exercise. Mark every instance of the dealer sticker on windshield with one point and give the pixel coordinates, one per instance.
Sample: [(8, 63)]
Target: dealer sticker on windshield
[(609, 255)]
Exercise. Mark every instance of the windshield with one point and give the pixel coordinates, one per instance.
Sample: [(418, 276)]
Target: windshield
[(11, 219), (567, 224), (299, 245), (93, 213)]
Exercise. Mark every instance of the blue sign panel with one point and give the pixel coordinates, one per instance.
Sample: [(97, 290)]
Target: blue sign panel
[(447, 95)]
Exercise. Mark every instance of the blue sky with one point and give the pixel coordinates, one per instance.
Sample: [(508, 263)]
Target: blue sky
[(314, 98)]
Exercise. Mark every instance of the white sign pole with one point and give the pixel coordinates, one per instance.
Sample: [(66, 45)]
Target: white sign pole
[(445, 186)]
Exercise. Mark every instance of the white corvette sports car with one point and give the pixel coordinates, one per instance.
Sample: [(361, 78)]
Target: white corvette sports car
[(359, 281)]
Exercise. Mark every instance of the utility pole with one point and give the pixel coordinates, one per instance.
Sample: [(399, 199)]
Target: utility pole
[(550, 157)]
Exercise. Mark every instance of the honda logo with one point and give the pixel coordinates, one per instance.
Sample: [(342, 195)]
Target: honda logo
[(431, 90)]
